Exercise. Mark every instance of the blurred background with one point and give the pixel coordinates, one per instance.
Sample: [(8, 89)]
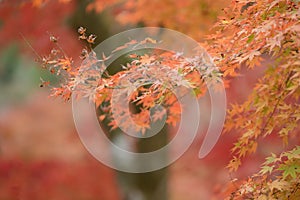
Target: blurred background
[(41, 156)]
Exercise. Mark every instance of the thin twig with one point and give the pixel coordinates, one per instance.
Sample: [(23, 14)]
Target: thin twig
[(30, 46)]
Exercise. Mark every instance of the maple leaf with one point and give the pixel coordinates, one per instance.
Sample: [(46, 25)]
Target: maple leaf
[(158, 115), (275, 41), (144, 60), (290, 169), (234, 164), (278, 185)]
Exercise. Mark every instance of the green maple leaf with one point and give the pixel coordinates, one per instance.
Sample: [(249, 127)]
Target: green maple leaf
[(290, 169)]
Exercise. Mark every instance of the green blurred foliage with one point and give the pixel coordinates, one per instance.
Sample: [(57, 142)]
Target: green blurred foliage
[(19, 75)]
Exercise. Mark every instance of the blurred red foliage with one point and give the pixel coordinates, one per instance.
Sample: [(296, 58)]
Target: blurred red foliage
[(56, 180), (20, 19), (42, 157)]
